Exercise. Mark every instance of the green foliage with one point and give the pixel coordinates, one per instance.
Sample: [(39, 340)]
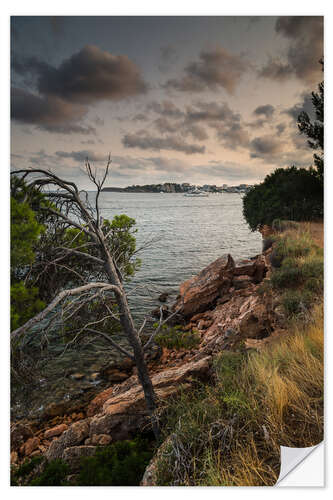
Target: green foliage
[(120, 464), (176, 338), (122, 242), (20, 473), (315, 130), (25, 231), (290, 193), (24, 304), (54, 474), (296, 301), (300, 277)]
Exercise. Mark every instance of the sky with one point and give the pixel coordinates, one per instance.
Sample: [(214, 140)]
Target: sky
[(205, 100)]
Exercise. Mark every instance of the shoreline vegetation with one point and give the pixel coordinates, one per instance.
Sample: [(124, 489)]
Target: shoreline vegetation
[(172, 187), (223, 418)]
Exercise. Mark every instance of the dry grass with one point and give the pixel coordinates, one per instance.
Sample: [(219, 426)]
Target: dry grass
[(316, 230)]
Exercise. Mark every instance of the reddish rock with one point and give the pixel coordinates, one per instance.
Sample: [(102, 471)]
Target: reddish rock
[(19, 433), (98, 440), (260, 269), (126, 412), (115, 375), (201, 292), (55, 431), (30, 446), (74, 436), (98, 401), (241, 282)]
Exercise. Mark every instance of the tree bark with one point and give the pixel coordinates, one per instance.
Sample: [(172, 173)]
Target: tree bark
[(131, 333)]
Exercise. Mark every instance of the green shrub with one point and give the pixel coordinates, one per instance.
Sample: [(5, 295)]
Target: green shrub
[(296, 301), (21, 472), (176, 338), (286, 277), (120, 464), (54, 474)]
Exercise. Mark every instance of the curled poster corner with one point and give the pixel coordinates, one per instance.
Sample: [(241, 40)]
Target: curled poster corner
[(291, 458)]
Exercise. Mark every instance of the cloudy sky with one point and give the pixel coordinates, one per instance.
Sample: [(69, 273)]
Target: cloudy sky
[(180, 99)]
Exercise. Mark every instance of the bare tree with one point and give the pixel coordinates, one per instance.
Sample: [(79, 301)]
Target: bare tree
[(73, 209)]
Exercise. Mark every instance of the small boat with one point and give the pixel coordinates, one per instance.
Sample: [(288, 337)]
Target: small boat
[(197, 193)]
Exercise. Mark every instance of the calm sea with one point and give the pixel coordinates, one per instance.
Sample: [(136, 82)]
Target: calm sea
[(188, 233)]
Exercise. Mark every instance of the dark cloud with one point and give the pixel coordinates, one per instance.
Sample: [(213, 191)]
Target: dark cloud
[(165, 108), (196, 131), (81, 156), (215, 69), (280, 128), (267, 110), (64, 94), (264, 146), (143, 140), (163, 125), (233, 137), (220, 117), (211, 112), (87, 76), (304, 105), (305, 35), (48, 113)]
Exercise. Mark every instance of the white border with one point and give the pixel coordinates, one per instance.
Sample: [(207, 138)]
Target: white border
[(135, 7)]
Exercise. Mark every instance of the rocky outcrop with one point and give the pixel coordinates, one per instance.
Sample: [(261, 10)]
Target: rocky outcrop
[(74, 436), (19, 433), (122, 411), (55, 431), (201, 292), (214, 284)]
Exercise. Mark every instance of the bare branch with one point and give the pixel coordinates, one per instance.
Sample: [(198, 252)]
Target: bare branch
[(61, 296), (82, 254), (112, 342), (161, 323)]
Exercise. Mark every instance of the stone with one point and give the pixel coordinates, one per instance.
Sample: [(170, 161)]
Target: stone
[(125, 412), (99, 440), (240, 282), (201, 292), (55, 431), (163, 297), (55, 409), (13, 457), (36, 453), (247, 267), (156, 313), (19, 432), (74, 436), (30, 446), (115, 375), (77, 376), (96, 404), (260, 269)]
